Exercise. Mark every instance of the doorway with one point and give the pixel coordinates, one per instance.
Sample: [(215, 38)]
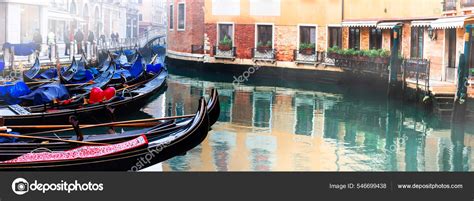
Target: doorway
[(451, 48)]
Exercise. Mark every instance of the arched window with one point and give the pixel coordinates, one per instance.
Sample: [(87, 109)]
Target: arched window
[(72, 9)]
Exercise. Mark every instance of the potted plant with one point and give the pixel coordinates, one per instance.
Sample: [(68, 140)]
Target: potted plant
[(307, 48), (264, 47), (225, 44), (373, 55), (384, 56), (333, 52)]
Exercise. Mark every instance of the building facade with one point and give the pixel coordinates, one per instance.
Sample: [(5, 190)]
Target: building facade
[(282, 31), (21, 18), (152, 15)]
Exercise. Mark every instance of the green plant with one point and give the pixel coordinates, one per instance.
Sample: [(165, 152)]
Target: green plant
[(262, 44), (334, 49), (383, 53), (373, 53), (307, 46), (226, 41)]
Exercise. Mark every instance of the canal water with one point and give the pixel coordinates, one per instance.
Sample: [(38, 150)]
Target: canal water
[(327, 128)]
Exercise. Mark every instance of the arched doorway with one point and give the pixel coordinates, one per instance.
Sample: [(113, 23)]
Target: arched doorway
[(97, 21)]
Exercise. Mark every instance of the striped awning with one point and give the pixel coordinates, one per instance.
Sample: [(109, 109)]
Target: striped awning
[(388, 25), (422, 23), (449, 22), (370, 23)]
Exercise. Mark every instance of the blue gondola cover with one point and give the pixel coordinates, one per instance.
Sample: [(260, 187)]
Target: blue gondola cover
[(47, 93)]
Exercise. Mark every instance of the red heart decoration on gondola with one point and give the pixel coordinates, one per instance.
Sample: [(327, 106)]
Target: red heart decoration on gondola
[(96, 96), (109, 93)]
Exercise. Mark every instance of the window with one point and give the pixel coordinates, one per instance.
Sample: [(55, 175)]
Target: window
[(308, 35), (171, 17), (354, 38), (181, 16), (335, 36), (451, 48), (375, 39), (265, 35), (140, 17), (225, 31), (416, 50), (140, 1)]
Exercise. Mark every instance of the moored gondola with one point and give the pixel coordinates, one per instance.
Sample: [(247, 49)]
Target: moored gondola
[(131, 97), (119, 157), (158, 125)]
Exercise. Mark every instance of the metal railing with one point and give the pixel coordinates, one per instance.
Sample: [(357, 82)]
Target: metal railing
[(263, 54), (360, 64), (449, 5), (417, 70), (224, 53), (467, 3), (306, 56)]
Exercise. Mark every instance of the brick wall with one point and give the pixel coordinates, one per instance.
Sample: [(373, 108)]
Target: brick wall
[(406, 38), (181, 41), (244, 40), (211, 31), (364, 38), (386, 36), (345, 37), (322, 38), (286, 38)]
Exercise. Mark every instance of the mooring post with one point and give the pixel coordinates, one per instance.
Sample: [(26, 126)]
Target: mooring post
[(393, 83), (459, 110)]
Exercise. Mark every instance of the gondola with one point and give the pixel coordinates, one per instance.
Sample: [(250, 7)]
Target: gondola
[(163, 125), (130, 98), (124, 156), (30, 74)]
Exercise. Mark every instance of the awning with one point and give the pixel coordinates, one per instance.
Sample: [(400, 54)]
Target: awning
[(422, 23), (60, 16), (361, 23), (449, 23), (388, 25)]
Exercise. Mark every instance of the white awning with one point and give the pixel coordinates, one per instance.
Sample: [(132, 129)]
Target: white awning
[(422, 23), (60, 16), (359, 23), (448, 23), (388, 25)]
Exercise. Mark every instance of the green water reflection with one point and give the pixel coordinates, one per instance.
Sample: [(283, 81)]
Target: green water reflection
[(263, 128)]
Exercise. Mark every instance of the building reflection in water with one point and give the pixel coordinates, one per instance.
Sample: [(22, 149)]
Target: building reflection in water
[(272, 128)]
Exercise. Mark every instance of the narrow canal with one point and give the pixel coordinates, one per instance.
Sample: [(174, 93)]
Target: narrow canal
[(327, 128)]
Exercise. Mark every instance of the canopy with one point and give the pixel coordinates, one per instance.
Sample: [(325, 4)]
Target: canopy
[(23, 49), (449, 22), (47, 93), (388, 25), (360, 23), (422, 23)]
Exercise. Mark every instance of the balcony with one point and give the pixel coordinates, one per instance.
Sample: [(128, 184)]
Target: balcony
[(225, 53), (449, 5), (308, 57), (467, 3), (263, 54)]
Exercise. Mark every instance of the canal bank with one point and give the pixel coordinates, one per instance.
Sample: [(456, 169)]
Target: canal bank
[(435, 96)]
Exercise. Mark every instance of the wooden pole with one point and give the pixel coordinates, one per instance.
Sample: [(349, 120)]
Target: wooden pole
[(50, 139), (393, 83), (459, 109), (69, 127)]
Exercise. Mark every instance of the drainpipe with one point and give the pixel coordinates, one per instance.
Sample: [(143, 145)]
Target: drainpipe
[(342, 9)]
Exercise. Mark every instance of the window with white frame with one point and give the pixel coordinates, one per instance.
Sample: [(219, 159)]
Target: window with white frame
[(265, 36), (171, 14), (225, 36), (181, 16), (307, 37)]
